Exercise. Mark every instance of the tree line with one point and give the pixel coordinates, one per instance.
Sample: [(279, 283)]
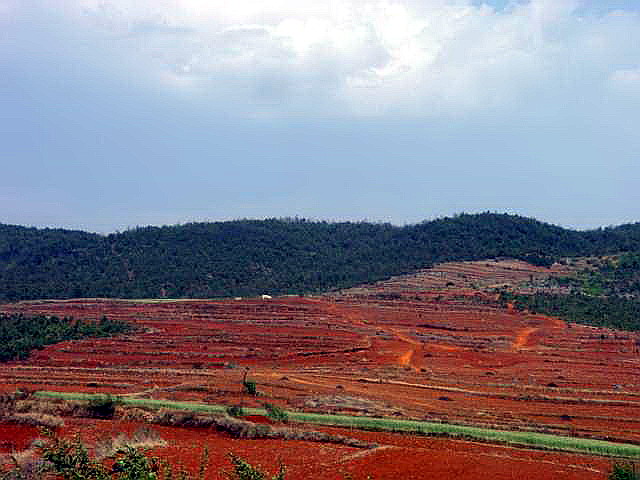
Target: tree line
[(279, 256), (20, 334), (613, 312)]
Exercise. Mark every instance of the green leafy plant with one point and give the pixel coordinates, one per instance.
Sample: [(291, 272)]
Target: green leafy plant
[(249, 385), (624, 471), (235, 411), (243, 470), (71, 460), (134, 465), (64, 459), (276, 413)]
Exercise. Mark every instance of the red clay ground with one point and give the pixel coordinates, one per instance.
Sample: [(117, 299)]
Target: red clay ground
[(434, 345), (399, 456)]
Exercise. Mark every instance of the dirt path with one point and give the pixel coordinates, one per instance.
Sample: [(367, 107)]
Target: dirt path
[(406, 358), (522, 338), (354, 317)]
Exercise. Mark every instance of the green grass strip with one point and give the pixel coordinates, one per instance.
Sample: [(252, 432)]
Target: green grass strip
[(149, 402), (540, 440), (531, 439)]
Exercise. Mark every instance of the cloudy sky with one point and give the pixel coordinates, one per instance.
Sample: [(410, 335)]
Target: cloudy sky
[(117, 113)]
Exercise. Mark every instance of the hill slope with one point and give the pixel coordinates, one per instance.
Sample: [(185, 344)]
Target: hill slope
[(248, 257)]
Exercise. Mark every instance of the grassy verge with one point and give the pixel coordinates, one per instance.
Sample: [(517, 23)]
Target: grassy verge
[(539, 440), (529, 439)]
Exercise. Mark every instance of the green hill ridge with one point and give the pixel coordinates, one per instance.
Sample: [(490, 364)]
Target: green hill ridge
[(275, 256)]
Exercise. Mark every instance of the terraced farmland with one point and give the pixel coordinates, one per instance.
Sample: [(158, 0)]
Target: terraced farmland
[(434, 346)]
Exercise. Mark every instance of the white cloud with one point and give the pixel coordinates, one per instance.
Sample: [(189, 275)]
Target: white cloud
[(416, 57)]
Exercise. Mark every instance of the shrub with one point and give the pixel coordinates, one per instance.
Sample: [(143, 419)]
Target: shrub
[(71, 460), (134, 465), (235, 411), (8, 402), (276, 413), (26, 466), (250, 387), (103, 406), (243, 470), (624, 471)]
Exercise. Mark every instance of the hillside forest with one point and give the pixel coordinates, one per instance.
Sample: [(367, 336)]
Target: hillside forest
[(275, 256)]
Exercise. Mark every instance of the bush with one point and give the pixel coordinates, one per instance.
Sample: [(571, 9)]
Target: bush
[(624, 471), (250, 387), (70, 460), (235, 411), (102, 406), (134, 465), (276, 413), (26, 466), (243, 470)]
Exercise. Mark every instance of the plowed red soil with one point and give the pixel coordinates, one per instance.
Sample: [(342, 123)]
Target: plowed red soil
[(398, 456), (434, 345)]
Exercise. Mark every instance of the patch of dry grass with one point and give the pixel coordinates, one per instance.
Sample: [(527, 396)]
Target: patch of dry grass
[(144, 437), (22, 408), (35, 419), (239, 428)]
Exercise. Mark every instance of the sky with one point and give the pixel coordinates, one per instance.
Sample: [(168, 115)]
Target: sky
[(123, 113)]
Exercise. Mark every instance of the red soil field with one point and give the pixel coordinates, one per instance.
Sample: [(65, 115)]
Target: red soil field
[(14, 438), (435, 345), (398, 456)]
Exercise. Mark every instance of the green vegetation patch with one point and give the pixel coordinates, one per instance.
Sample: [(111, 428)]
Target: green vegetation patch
[(614, 312), (276, 256), (605, 294), (617, 275), (539, 440), (21, 334), (530, 439)]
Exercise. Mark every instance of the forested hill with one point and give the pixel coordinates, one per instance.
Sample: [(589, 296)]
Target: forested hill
[(249, 257)]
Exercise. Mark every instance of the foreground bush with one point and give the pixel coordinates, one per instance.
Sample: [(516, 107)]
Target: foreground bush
[(70, 460), (624, 471), (243, 470), (59, 458)]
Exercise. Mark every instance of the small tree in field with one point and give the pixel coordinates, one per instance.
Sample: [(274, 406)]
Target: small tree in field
[(624, 471), (249, 385)]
